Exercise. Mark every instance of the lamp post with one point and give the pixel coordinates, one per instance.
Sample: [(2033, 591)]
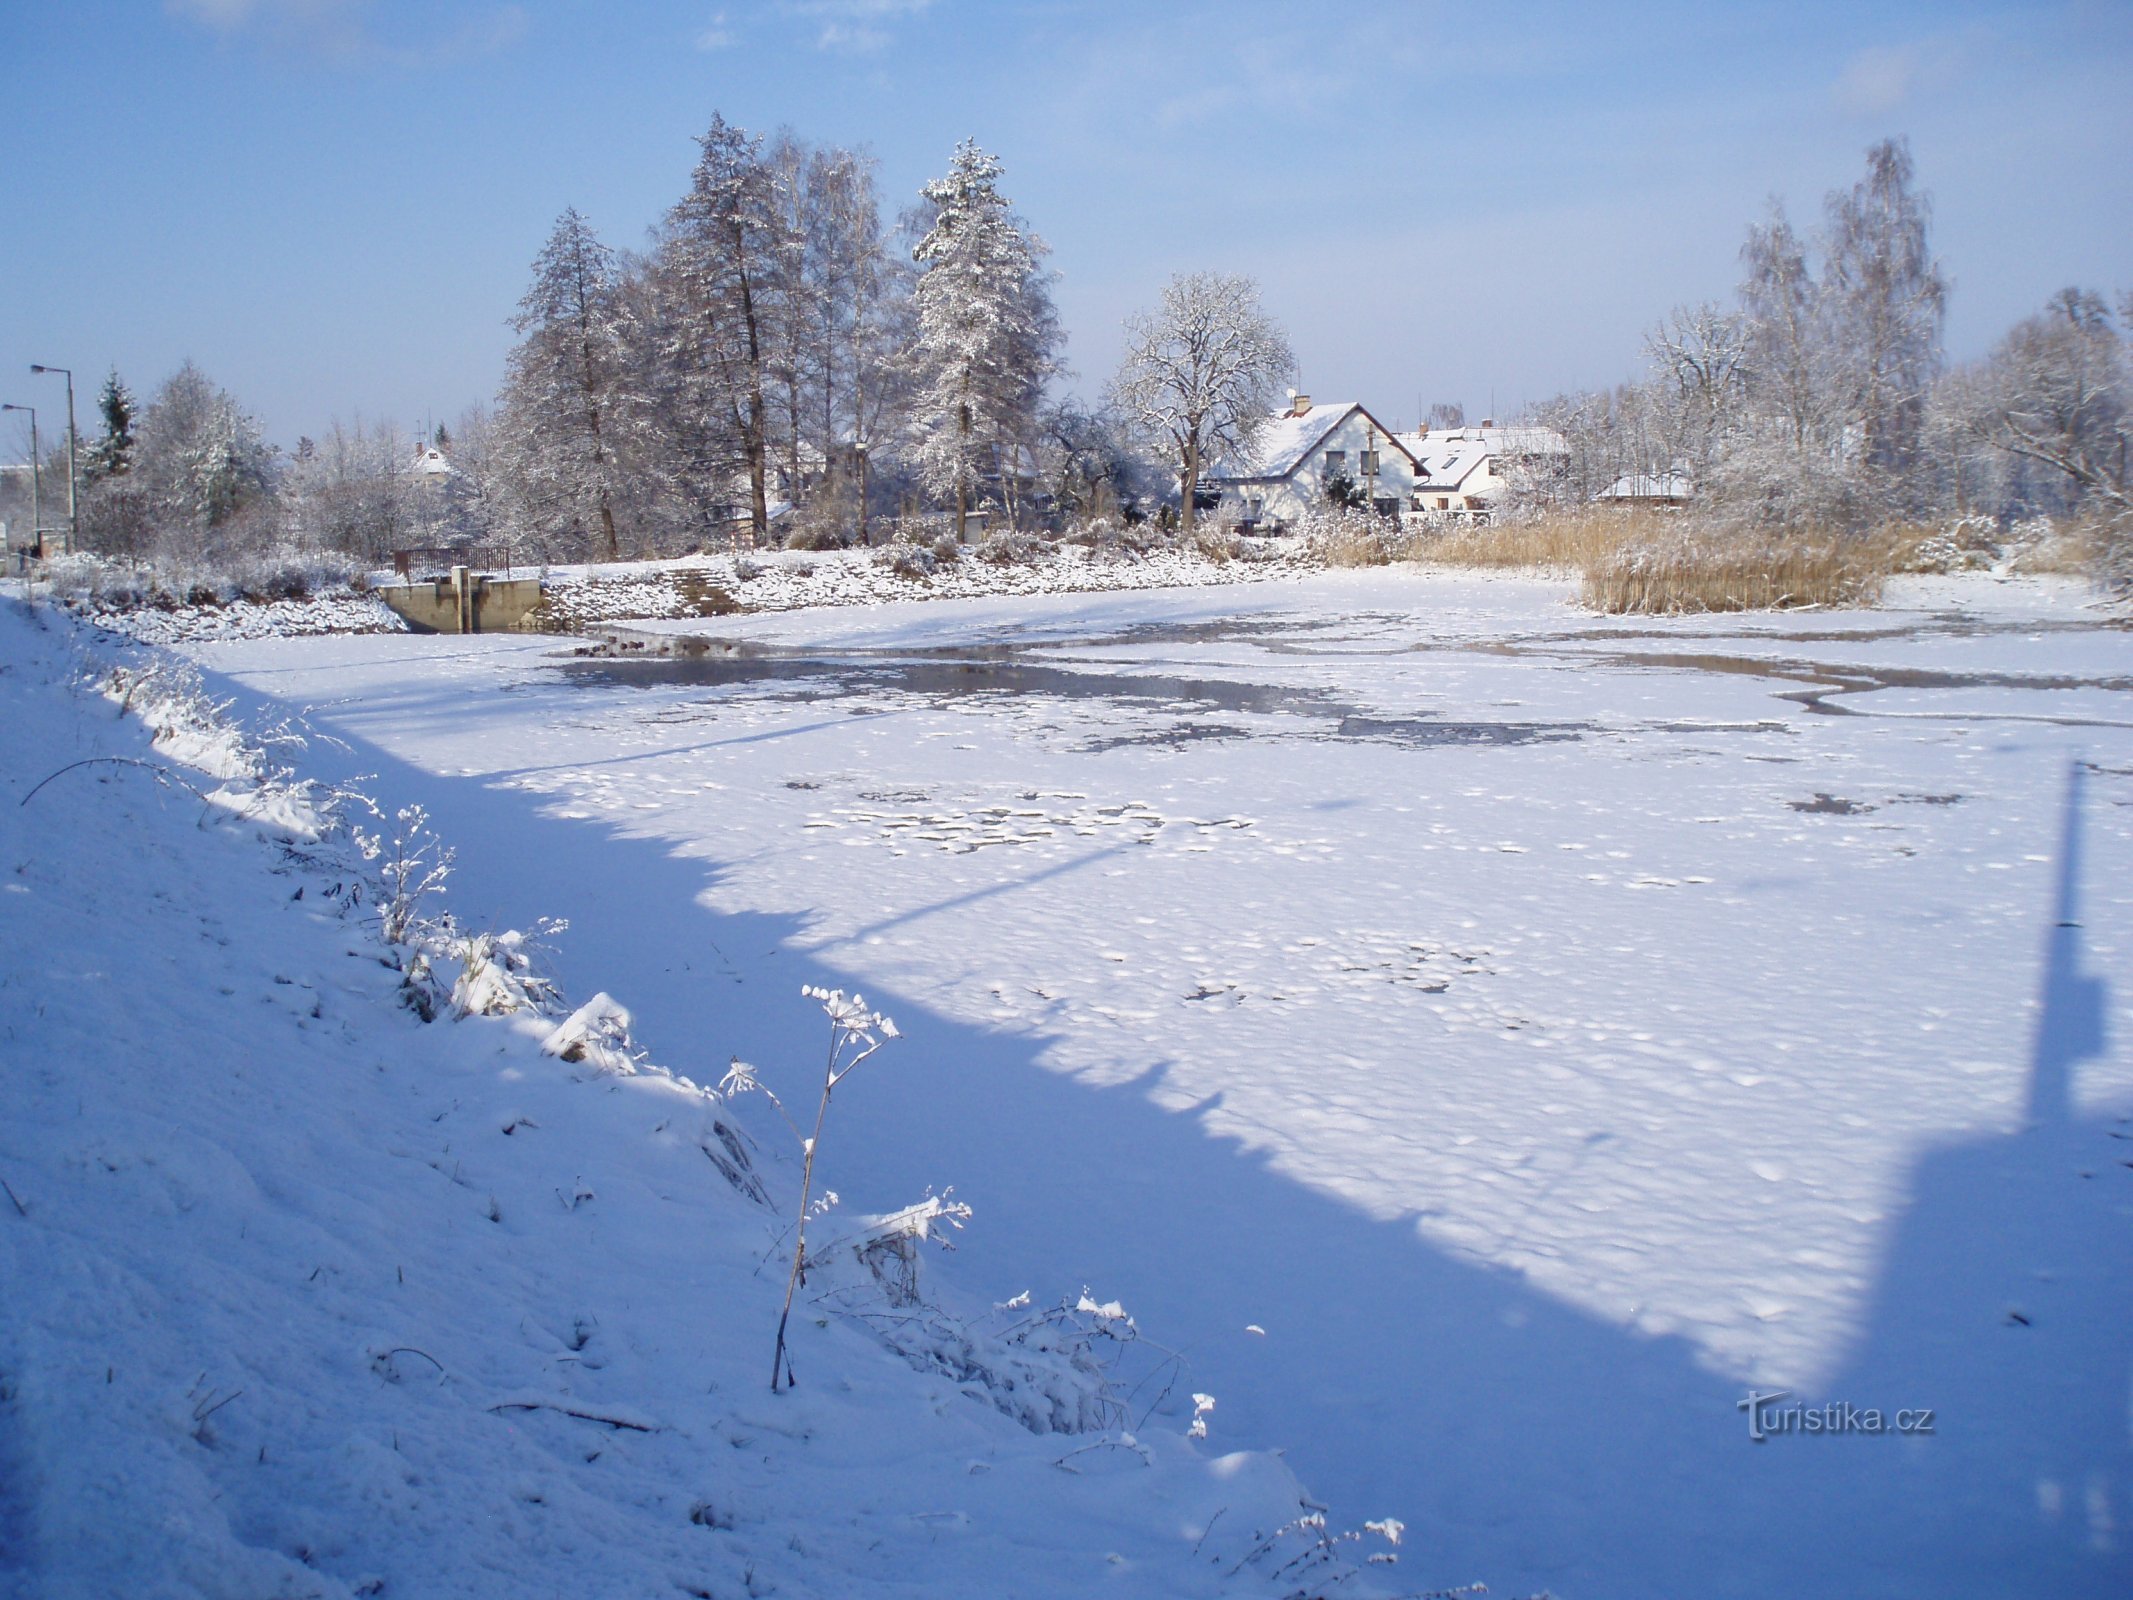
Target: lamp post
[(859, 448), (73, 520), (36, 499)]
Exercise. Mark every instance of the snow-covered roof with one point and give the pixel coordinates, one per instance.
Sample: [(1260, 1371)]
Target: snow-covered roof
[(1446, 457), (1290, 438), (1286, 440), (1449, 456), (430, 463), (1650, 486)]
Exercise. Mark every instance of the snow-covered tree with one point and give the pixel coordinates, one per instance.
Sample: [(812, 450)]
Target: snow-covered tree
[(565, 388), (200, 463), (2057, 394), (1202, 372), (986, 335), (1887, 300), (723, 272), (111, 455), (1700, 358)]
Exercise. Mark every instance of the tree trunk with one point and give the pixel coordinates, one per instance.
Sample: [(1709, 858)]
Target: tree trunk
[(1192, 482), (962, 469)]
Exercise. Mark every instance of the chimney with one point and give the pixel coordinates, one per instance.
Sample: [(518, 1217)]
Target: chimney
[(1302, 404)]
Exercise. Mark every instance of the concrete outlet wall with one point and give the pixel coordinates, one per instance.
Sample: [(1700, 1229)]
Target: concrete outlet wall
[(465, 603)]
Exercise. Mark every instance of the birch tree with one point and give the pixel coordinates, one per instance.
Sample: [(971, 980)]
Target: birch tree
[(1202, 372), (1887, 301)]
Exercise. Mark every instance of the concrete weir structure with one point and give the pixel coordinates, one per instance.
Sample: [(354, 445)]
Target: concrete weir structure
[(465, 602)]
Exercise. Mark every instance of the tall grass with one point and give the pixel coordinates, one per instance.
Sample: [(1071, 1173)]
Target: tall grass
[(1701, 568), (1559, 541)]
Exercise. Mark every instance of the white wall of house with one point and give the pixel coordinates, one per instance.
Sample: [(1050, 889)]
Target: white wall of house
[(1302, 490)]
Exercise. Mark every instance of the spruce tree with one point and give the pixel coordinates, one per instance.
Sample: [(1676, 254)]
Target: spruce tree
[(986, 335)]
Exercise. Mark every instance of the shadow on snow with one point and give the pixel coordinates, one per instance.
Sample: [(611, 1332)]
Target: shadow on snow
[(1528, 1443)]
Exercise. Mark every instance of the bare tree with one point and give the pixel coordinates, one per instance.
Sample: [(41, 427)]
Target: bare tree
[(1887, 300), (2059, 395), (1202, 372), (1701, 356)]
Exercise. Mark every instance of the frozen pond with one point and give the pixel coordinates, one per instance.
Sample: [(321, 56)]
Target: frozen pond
[(1484, 1040)]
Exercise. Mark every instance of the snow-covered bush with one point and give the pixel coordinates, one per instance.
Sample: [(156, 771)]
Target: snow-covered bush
[(1013, 549), (916, 562), (1967, 544), (1343, 536), (1106, 540)]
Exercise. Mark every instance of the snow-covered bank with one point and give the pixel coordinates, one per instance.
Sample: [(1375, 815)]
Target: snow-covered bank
[(789, 580), (305, 1297), (1537, 1024)]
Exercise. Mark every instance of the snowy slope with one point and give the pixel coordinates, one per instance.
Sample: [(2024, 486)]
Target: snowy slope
[(1540, 1027), (304, 1296)]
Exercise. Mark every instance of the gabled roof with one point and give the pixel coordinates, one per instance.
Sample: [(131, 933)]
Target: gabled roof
[(1446, 457), (1288, 439)]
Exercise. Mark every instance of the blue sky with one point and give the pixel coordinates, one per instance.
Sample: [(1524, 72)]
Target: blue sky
[(331, 204)]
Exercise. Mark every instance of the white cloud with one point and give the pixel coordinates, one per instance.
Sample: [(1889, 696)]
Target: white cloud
[(854, 27), (717, 36), (344, 30), (1882, 78)]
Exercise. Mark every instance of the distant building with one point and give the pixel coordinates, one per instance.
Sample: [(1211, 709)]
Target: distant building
[(1467, 472), (1302, 455), (1672, 488)]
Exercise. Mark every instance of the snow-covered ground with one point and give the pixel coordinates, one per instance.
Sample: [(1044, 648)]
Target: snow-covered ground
[(1484, 1038), (301, 1296)]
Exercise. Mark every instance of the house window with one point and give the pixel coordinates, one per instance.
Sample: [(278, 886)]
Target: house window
[(1370, 463), (1336, 462)]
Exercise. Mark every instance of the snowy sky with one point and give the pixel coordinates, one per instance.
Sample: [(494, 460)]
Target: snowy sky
[(331, 204)]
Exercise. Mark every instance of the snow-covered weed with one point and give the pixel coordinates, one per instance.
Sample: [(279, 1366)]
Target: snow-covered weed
[(855, 1033), (413, 864), (505, 973), (255, 782)]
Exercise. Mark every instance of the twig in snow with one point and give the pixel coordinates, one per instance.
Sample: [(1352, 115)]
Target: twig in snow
[(203, 1410), (1124, 1441), (161, 774), (20, 1209), (1210, 1528), (572, 1411)]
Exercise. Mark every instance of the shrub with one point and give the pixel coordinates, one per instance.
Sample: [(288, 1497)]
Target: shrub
[(1106, 540), (913, 561), (1012, 549)]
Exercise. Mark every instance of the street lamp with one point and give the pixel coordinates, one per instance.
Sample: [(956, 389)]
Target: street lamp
[(73, 520), (859, 448), (36, 500)]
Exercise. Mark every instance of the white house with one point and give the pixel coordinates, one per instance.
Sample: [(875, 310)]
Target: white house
[(1467, 471), (1299, 452)]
